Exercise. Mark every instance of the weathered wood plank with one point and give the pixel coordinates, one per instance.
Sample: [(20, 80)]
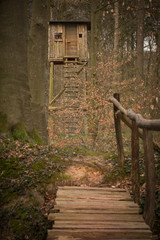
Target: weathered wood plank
[(100, 225), (93, 198), (97, 234), (92, 188), (97, 204), (92, 192), (96, 213), (96, 217), (109, 211)]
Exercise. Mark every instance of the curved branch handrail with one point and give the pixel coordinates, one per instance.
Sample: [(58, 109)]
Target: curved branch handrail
[(141, 122), (135, 122)]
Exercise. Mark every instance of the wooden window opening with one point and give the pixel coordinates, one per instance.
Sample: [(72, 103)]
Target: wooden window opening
[(58, 37)]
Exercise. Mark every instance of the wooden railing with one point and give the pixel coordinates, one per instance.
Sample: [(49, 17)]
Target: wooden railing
[(141, 128)]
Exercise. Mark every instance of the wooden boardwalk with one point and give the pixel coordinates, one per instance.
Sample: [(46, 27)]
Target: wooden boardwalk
[(96, 213)]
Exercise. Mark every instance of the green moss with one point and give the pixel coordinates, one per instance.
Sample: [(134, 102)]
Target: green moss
[(19, 132), (2, 148), (39, 165), (18, 228), (55, 177), (36, 138), (28, 222), (10, 168), (52, 179), (7, 196), (116, 174), (3, 123), (56, 159), (65, 176)]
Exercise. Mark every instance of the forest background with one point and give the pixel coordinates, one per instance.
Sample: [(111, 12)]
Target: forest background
[(124, 46)]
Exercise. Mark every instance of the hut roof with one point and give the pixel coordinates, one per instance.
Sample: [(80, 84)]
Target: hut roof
[(72, 21)]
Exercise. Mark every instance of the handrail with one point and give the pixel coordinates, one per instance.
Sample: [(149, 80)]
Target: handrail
[(141, 128), (141, 122)]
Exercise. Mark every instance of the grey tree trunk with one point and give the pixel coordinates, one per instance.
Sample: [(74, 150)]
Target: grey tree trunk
[(14, 85), (23, 64), (37, 64)]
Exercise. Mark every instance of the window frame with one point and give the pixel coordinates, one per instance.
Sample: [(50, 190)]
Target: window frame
[(58, 37)]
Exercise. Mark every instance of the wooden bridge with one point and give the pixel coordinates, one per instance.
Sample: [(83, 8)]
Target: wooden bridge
[(96, 213), (106, 213)]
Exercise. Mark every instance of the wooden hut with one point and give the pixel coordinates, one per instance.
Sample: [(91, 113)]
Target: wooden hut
[(68, 40), (68, 57)]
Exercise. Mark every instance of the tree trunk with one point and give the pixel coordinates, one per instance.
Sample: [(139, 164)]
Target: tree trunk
[(116, 38), (116, 30), (140, 40), (157, 65), (38, 64), (14, 84), (93, 37), (24, 77), (93, 123)]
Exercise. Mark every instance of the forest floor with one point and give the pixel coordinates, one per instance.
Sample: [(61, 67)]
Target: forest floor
[(30, 174)]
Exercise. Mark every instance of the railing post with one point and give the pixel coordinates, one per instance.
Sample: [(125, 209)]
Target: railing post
[(149, 208), (118, 133), (135, 163)]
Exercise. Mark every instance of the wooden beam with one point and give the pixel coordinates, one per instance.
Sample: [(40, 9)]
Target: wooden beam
[(118, 133), (57, 96), (149, 209), (51, 80), (141, 122), (135, 163), (81, 68), (128, 122)]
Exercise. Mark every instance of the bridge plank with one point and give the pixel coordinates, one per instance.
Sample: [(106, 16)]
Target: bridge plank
[(96, 213), (96, 217)]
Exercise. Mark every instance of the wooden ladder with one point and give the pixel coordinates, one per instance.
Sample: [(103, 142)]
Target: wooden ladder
[(96, 213), (71, 96)]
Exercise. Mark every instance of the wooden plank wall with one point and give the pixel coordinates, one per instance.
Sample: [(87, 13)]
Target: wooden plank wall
[(82, 42), (57, 49)]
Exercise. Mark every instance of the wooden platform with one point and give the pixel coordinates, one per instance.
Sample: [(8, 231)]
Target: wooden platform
[(96, 213)]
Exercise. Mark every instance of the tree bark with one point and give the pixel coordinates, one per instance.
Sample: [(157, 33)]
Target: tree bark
[(93, 37), (140, 40), (14, 83), (38, 64), (157, 65), (116, 30), (23, 61)]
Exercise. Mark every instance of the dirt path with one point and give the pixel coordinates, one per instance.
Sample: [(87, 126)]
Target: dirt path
[(87, 171)]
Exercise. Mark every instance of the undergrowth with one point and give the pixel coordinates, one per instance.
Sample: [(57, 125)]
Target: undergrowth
[(26, 169)]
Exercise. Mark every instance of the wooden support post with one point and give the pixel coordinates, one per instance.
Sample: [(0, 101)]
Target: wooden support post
[(51, 81), (118, 133), (135, 163), (149, 209)]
